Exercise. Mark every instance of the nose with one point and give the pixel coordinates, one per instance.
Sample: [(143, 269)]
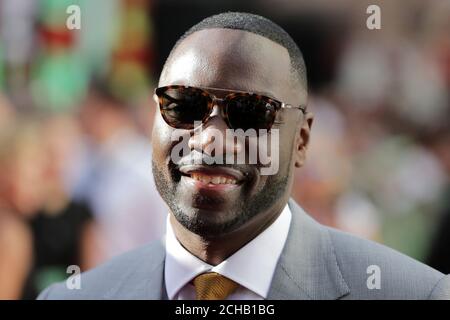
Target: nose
[(211, 137)]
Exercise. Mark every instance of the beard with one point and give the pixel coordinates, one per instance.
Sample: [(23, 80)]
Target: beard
[(239, 213)]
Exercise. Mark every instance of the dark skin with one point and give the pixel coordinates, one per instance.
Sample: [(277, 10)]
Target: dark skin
[(234, 60)]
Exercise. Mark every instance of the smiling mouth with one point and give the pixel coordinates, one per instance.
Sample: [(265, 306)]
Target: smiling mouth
[(212, 175), (212, 179)]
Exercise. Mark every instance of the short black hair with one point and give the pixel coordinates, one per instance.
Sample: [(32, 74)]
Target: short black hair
[(258, 25)]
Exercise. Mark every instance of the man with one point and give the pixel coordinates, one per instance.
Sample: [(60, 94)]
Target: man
[(233, 233)]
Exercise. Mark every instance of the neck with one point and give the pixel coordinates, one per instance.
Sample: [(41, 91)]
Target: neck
[(215, 250), (56, 201)]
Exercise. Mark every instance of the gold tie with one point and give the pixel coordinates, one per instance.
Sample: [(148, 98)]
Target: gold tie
[(213, 286)]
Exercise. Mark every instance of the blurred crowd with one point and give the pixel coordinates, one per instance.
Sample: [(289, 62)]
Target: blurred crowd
[(76, 186), (74, 190)]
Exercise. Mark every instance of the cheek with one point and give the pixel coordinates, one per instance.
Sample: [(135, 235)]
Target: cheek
[(275, 151), (285, 150), (161, 141)]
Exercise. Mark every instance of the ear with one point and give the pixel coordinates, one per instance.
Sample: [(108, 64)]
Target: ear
[(156, 99), (302, 140)]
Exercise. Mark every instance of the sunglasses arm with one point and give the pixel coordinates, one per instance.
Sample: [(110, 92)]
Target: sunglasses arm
[(289, 106), (155, 98)]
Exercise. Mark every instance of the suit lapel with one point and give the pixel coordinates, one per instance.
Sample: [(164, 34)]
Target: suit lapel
[(144, 278), (308, 267)]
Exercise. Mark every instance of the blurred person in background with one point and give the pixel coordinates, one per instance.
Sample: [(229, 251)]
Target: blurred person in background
[(390, 87), (435, 33), (41, 228), (439, 251), (22, 163), (115, 178), (61, 227)]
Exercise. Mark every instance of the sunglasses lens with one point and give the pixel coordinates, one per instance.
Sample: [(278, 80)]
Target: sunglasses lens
[(181, 106), (251, 112)]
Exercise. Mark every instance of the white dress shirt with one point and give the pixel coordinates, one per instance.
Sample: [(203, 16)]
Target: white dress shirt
[(252, 266)]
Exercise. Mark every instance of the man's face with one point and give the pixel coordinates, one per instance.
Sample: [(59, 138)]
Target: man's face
[(234, 60)]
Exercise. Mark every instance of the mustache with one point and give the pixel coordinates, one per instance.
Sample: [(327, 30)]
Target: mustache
[(195, 157)]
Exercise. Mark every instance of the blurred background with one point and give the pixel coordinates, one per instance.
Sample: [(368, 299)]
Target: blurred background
[(76, 113)]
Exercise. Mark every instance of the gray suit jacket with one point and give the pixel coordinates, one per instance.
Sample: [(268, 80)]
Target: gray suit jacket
[(317, 262)]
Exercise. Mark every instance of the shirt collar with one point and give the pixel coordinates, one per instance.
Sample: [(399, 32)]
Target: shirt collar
[(261, 253)]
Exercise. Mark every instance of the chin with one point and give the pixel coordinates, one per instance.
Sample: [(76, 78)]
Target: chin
[(208, 221)]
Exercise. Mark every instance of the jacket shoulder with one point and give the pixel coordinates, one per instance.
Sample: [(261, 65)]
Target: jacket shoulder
[(136, 274), (374, 271)]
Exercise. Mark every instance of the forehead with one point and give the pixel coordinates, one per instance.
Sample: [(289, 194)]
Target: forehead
[(230, 59)]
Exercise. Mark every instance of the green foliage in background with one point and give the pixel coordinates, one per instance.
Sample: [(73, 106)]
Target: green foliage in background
[(63, 78)]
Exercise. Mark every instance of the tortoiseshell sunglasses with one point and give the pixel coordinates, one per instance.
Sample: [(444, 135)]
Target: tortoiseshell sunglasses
[(182, 105)]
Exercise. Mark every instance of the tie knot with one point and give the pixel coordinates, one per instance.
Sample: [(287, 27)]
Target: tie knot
[(213, 286)]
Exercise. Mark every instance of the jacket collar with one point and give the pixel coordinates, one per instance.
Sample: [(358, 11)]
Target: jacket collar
[(308, 268), (144, 277)]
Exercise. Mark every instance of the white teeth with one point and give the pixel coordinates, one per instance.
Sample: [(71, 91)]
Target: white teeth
[(212, 179)]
